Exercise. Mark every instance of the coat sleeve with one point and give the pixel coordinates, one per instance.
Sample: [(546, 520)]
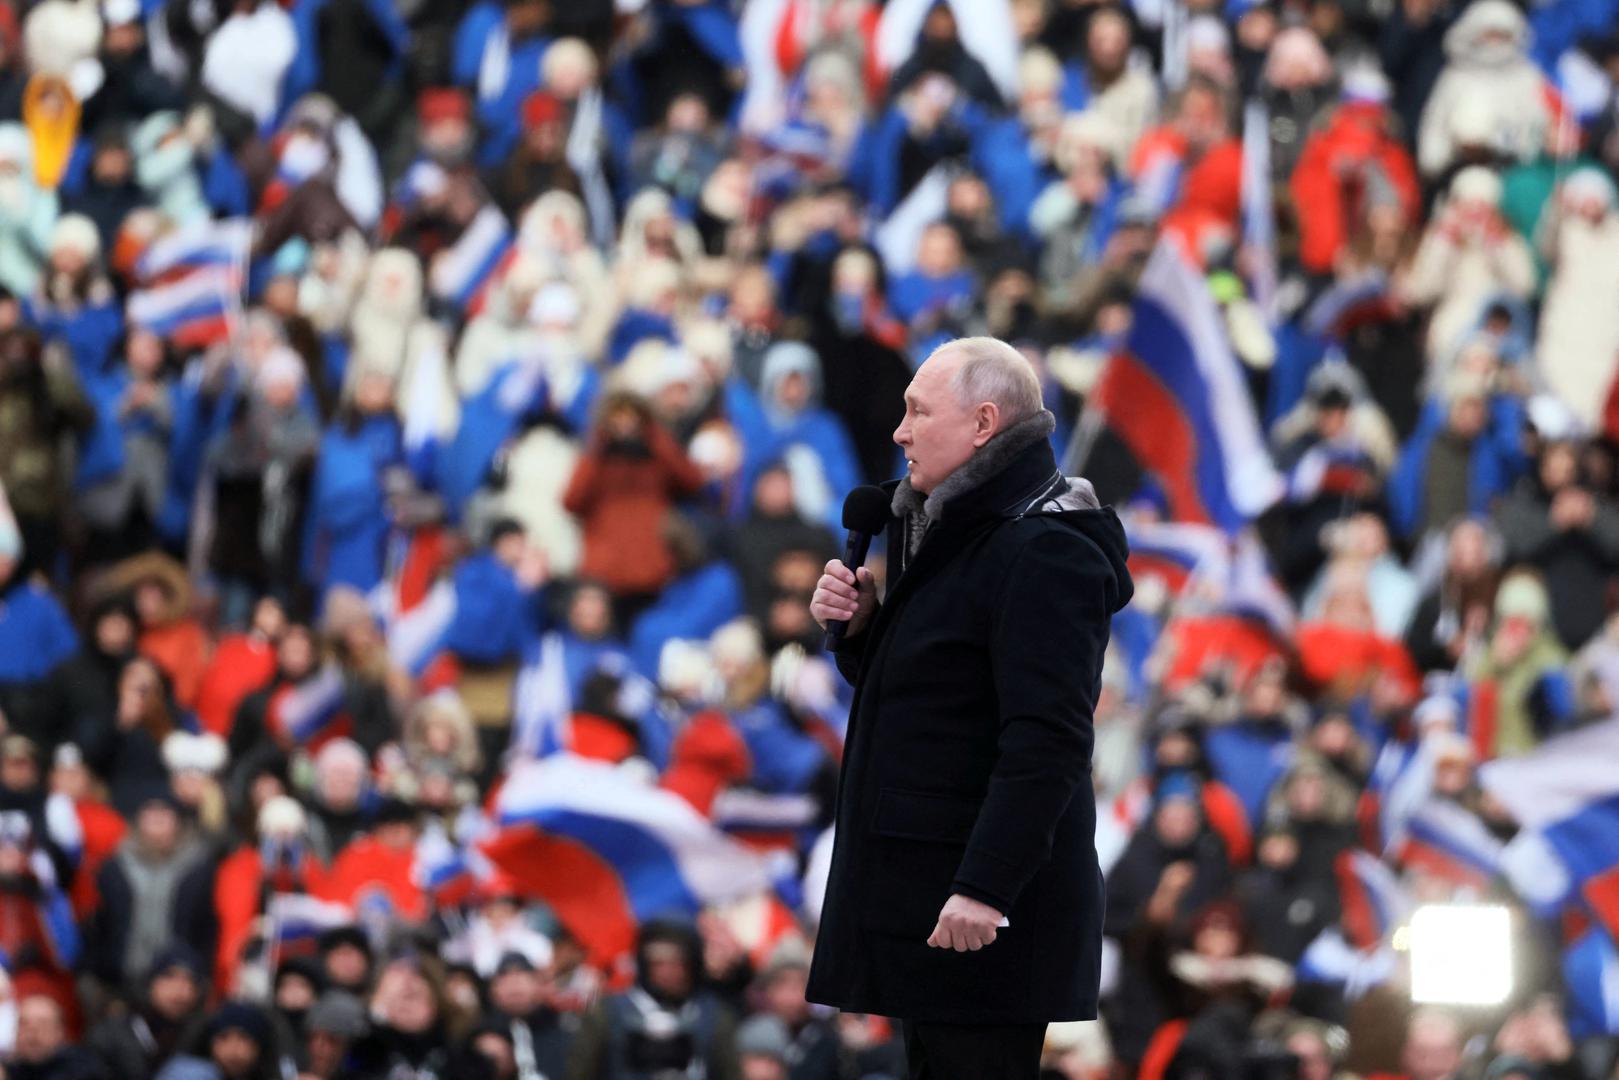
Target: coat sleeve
[(1047, 638)]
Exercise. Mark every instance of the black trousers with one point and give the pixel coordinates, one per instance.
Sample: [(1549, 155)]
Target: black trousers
[(974, 1051)]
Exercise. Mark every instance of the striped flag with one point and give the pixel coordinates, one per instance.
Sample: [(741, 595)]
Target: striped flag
[(607, 852), (461, 274), (196, 246), (310, 714), (1374, 900), (196, 309), (1175, 396)]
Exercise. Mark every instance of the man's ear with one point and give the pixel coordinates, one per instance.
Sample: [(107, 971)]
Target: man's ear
[(986, 423)]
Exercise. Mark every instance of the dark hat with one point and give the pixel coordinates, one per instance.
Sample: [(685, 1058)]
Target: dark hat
[(338, 936), (393, 810), (337, 1013), (307, 968), (176, 955), (514, 961), (240, 1016)]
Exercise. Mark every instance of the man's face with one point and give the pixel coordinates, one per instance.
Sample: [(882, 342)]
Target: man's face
[(158, 827), (19, 773), (347, 966), (174, 994), (785, 996), (39, 1029), (516, 993), (938, 433), (234, 1052), (326, 1052), (666, 969), (1433, 1050)]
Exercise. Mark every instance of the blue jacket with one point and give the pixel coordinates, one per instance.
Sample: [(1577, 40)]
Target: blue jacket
[(1496, 462), (693, 605), (348, 522), (496, 619), (35, 634)]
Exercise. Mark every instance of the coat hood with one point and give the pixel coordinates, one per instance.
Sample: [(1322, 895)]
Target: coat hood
[(1464, 42)]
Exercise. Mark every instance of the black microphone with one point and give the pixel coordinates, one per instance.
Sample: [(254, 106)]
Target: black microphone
[(865, 514)]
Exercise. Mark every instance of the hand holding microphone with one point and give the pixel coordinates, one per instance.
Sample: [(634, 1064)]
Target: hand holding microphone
[(846, 595)]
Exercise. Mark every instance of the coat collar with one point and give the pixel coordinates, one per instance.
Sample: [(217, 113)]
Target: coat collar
[(1015, 464)]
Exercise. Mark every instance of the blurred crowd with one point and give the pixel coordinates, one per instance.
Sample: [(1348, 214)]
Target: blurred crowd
[(393, 392)]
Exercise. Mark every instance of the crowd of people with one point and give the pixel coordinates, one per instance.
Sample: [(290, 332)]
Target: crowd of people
[(394, 394)]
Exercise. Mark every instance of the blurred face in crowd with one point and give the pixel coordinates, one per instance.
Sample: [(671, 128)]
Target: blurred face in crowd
[(234, 1052), (527, 16), (687, 113), (1315, 1063), (1468, 550), (1453, 774), (144, 354), (622, 423), (71, 780), (1467, 416), (406, 1000), (296, 653), (1433, 1048), (19, 772), (939, 28), (111, 166), (294, 994), (1107, 42), (1334, 737), (326, 1053), (1278, 851), (152, 603), (1177, 822), (174, 993), (762, 1067), (940, 432), (784, 996), (347, 966), (157, 829), (115, 633), (1202, 117), (939, 253), (773, 493), (1559, 466), (753, 296), (40, 1031), (1218, 939), (667, 969), (342, 780), (517, 992), (590, 612), (374, 393)]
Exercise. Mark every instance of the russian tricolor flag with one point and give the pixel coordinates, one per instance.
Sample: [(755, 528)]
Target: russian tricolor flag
[(310, 714), (1374, 901), (1565, 795), (1591, 974), (606, 851), (460, 274), (202, 244), (194, 310), (1449, 841), (1175, 552), (1176, 397)]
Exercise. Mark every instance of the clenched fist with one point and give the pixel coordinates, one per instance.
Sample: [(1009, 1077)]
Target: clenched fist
[(965, 925), (844, 595)]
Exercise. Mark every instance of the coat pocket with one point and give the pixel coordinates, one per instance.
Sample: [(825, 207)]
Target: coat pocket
[(919, 841)]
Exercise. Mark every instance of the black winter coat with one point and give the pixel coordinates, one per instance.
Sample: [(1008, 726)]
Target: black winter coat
[(967, 763)]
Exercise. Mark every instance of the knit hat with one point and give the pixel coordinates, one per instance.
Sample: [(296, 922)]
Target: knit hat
[(76, 233), (337, 1013), (1178, 784), (437, 104), (240, 1016), (764, 1035), (1476, 184), (176, 955), (539, 108), (1521, 595)]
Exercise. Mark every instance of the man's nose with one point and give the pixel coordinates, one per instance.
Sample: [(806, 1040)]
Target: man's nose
[(902, 434)]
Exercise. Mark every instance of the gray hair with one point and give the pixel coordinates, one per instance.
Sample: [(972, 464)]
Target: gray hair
[(993, 371)]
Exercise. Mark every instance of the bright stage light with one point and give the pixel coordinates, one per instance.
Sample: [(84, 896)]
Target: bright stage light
[(1461, 954)]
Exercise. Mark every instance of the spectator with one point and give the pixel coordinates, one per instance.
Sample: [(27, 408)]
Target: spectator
[(137, 1043), (43, 1051)]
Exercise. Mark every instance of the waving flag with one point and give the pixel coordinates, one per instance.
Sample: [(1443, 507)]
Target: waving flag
[(1591, 975), (460, 274), (1374, 901), (198, 308), (1349, 303), (1175, 396), (606, 852), (224, 244), (1450, 842), (310, 714), (1176, 552), (1565, 795)]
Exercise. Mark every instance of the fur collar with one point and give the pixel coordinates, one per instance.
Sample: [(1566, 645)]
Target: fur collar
[(990, 459)]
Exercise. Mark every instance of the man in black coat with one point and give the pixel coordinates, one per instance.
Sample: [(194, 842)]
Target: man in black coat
[(964, 895)]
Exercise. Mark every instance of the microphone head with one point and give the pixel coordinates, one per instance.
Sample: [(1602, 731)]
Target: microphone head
[(866, 510)]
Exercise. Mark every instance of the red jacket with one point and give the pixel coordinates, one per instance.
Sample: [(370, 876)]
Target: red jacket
[(1210, 190), (242, 664), (1329, 183), (1333, 656), (621, 502)]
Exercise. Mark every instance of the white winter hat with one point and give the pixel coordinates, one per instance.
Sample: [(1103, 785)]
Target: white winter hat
[(1476, 184), (76, 233), (281, 817)]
